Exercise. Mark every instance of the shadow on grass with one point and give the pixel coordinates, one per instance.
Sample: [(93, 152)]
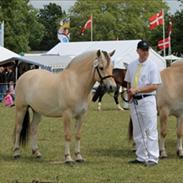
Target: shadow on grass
[(108, 109), (25, 159), (113, 152)]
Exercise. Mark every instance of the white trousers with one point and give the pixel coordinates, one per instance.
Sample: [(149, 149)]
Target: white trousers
[(145, 133)]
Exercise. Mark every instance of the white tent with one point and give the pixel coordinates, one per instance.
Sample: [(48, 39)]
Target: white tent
[(49, 62), (172, 57), (125, 51), (7, 55)]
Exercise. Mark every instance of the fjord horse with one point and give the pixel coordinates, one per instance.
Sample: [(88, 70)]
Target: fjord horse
[(119, 75), (170, 102), (64, 94)]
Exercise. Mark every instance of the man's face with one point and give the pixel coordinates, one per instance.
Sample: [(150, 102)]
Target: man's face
[(143, 54)]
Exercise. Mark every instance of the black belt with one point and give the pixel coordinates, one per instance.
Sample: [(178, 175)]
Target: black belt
[(139, 97)]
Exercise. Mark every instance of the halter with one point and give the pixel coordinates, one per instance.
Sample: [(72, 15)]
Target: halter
[(100, 76)]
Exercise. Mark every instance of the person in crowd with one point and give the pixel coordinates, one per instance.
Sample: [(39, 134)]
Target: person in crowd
[(1, 83), (12, 89), (8, 99), (143, 78)]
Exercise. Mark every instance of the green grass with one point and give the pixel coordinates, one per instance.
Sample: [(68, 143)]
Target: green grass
[(104, 145)]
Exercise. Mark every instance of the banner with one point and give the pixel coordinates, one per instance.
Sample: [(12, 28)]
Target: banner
[(155, 20), (164, 43), (170, 27), (87, 25), (63, 33)]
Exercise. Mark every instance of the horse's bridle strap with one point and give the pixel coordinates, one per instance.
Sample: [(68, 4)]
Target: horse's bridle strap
[(105, 77)]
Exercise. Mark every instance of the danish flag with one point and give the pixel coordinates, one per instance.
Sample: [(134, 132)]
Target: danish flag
[(155, 20)]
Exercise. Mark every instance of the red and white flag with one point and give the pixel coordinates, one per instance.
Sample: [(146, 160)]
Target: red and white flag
[(164, 43), (87, 25), (170, 27), (155, 20)]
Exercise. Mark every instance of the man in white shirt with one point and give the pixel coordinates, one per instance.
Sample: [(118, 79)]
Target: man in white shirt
[(143, 78)]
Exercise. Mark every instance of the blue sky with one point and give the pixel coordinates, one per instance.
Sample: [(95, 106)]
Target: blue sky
[(66, 4)]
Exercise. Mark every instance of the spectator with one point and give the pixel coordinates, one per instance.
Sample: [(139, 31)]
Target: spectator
[(8, 100)]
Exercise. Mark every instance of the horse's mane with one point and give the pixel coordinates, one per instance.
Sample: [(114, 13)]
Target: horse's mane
[(84, 57)]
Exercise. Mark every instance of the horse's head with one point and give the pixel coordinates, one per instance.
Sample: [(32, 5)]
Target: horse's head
[(103, 70)]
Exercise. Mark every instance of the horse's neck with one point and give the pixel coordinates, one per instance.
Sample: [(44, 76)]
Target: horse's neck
[(119, 75), (83, 75)]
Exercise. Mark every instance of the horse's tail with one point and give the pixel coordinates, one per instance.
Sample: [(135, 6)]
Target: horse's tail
[(130, 129), (24, 134)]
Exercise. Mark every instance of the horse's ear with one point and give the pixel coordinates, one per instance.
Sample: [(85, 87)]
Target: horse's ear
[(98, 53), (112, 53)]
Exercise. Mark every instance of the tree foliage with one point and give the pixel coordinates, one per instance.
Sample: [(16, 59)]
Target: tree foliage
[(29, 29), (50, 17), (21, 25), (118, 19), (177, 38)]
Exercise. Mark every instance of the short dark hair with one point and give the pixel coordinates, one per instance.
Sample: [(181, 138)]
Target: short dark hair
[(143, 45)]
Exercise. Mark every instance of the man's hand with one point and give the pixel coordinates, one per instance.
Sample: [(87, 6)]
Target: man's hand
[(131, 93)]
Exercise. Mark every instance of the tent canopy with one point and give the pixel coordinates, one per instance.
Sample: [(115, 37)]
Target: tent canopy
[(125, 51), (49, 62), (172, 57), (7, 55)]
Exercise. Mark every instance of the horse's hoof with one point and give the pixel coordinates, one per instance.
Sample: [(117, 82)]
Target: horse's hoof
[(163, 154), (16, 156), (71, 163), (99, 109), (119, 107), (79, 160), (36, 154), (180, 153), (163, 157)]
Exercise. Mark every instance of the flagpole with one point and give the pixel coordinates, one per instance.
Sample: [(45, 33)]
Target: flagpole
[(91, 27), (2, 34), (164, 54), (170, 47), (169, 34)]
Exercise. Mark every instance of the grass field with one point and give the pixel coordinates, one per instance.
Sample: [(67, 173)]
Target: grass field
[(104, 145)]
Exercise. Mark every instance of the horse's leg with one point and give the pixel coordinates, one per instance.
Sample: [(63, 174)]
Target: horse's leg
[(179, 137), (20, 114), (67, 134), (100, 100), (78, 137), (34, 126), (163, 132), (124, 97), (116, 96)]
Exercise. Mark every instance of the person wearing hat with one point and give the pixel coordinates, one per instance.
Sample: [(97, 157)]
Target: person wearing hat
[(143, 78)]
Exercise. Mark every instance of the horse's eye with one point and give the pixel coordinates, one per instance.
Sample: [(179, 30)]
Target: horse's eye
[(101, 68)]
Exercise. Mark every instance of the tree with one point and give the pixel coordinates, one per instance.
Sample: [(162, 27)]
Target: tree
[(177, 38), (118, 19), (50, 17), (20, 20)]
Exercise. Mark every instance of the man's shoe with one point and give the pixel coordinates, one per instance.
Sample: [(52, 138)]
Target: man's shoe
[(150, 163), (136, 162)]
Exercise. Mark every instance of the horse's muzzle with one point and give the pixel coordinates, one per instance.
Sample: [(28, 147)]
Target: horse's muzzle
[(110, 88)]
